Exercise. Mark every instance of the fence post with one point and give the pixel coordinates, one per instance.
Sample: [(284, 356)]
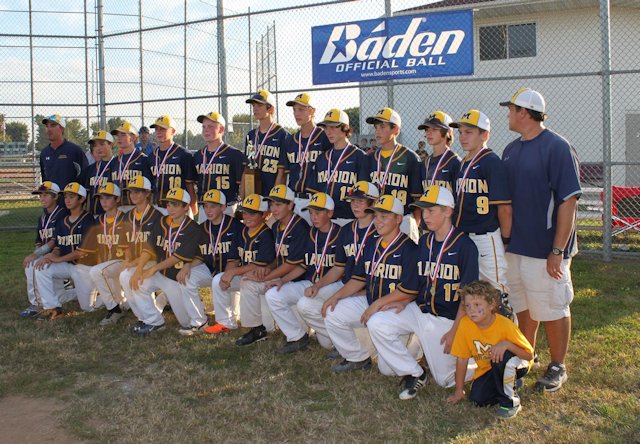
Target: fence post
[(606, 127), (141, 63), (222, 62), (101, 81)]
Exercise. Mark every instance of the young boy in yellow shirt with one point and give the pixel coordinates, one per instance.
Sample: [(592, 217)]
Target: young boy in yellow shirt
[(499, 348)]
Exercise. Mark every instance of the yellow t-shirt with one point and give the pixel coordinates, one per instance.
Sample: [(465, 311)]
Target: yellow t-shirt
[(474, 342)]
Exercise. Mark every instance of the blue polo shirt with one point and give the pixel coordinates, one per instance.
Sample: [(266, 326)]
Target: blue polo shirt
[(543, 173), (63, 164)]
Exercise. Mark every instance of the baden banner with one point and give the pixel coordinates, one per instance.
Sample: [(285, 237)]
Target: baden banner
[(403, 47)]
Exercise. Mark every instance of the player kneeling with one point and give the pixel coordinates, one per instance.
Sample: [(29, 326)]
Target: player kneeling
[(388, 272), (172, 243), (446, 259), (498, 347)]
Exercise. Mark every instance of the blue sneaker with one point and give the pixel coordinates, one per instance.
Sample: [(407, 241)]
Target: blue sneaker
[(30, 311), (145, 329)]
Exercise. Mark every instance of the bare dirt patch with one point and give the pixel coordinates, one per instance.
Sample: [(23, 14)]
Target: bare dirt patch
[(31, 420)]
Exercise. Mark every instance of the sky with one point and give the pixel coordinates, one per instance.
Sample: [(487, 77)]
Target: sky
[(60, 67)]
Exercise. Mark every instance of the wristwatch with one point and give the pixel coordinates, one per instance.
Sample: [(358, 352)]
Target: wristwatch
[(557, 251)]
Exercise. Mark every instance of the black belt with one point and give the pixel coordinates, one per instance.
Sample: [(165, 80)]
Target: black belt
[(303, 195), (480, 234)]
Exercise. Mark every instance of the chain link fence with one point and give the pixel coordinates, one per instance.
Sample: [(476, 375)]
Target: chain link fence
[(189, 58)]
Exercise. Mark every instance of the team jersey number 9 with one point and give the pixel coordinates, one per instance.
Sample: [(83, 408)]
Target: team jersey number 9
[(175, 182), (270, 166), (482, 203)]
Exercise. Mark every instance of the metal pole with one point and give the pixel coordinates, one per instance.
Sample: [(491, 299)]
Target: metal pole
[(101, 81), (390, 98), (184, 63), (33, 122), (222, 61), (250, 63), (86, 67), (275, 69), (607, 141), (141, 63)]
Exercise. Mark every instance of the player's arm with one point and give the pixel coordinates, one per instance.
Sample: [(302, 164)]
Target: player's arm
[(192, 193), (498, 350), (448, 337), (461, 371), (565, 220), (397, 299), (331, 276), (281, 270), (505, 219), (295, 273), (280, 176)]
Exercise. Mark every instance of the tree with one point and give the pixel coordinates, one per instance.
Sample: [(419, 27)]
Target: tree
[(3, 133), (17, 131), (193, 141), (41, 133), (114, 123), (76, 133), (241, 126), (354, 120)]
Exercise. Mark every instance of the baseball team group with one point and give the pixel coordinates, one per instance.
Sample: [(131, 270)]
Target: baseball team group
[(444, 266)]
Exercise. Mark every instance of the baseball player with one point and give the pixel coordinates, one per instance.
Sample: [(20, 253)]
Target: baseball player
[(107, 242), (483, 209), (66, 261), (268, 140), (172, 242), (544, 178), (339, 168), (219, 165), (61, 161), (301, 151), (395, 169), (216, 250), (171, 164), (387, 270), (447, 258), (442, 166), (131, 163), (255, 250), (45, 240), (287, 293), (99, 173)]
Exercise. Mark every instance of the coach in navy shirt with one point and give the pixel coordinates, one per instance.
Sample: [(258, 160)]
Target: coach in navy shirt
[(61, 161), (542, 169)]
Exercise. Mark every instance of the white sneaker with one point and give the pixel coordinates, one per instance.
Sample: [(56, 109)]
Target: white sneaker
[(190, 331), (111, 318)]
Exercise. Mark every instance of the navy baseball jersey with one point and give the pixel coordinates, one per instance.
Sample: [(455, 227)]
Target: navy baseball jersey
[(216, 244), (140, 227), (543, 173), (63, 164), (299, 159), (320, 254), (47, 224), (385, 268), (339, 170), (482, 185), (174, 240), (70, 235), (351, 246), (269, 148), (172, 168), (397, 172), (442, 271), (129, 166), (256, 246), (107, 239), (290, 241), (441, 170), (220, 169), (93, 177)]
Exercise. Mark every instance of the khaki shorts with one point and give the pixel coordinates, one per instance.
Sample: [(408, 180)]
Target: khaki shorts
[(531, 288)]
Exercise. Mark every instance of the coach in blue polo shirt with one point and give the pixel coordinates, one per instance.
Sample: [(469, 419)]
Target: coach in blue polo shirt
[(543, 176), (61, 161)]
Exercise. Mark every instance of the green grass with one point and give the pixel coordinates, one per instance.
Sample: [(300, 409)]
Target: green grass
[(167, 388)]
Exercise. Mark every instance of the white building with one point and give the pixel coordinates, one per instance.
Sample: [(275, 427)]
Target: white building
[(548, 45)]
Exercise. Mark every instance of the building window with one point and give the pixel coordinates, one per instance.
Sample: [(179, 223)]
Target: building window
[(507, 41)]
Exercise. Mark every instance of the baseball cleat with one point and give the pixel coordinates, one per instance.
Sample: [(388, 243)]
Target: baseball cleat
[(410, 385), (146, 329), (349, 366), (216, 329), (112, 317), (30, 311), (256, 334), (190, 331), (294, 346)]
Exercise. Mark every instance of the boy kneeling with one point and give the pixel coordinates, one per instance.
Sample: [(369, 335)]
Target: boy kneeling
[(499, 348)]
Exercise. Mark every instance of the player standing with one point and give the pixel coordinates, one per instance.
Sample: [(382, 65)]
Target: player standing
[(171, 164), (483, 204), (340, 167), (219, 165), (395, 169), (441, 167), (99, 173), (544, 178), (268, 141), (131, 163)]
